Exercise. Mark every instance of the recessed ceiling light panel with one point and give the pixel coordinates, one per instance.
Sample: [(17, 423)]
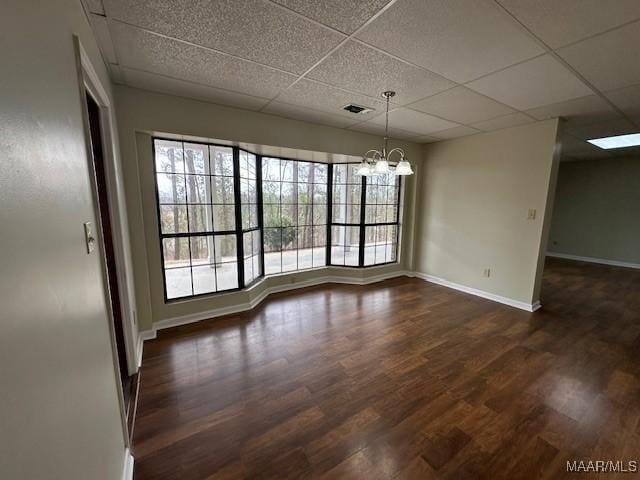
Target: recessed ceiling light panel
[(619, 141)]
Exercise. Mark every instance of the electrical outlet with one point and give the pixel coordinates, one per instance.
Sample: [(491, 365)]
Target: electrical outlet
[(486, 272), (532, 214)]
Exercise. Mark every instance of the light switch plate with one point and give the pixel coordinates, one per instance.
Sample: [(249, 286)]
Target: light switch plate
[(88, 237), (532, 214)]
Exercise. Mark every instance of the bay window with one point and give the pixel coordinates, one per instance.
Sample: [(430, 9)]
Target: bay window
[(227, 217)]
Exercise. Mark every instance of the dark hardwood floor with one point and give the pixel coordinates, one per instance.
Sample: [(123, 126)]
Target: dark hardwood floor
[(401, 379)]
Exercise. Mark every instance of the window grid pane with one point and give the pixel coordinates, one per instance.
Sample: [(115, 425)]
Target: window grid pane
[(381, 219), (196, 201), (294, 203), (346, 215)]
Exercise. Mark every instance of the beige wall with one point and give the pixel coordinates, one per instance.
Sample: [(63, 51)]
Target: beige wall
[(474, 197), (141, 112), (597, 210), (60, 415)]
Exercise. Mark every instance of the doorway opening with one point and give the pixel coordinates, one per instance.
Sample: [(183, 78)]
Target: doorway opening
[(95, 129)]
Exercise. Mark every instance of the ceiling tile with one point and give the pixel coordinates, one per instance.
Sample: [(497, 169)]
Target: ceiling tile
[(540, 81), (505, 121), (95, 6), (413, 121), (363, 69), (171, 86), (609, 61), (103, 37), (145, 51), (579, 149), (462, 105), (307, 93), (375, 129), (255, 30), (455, 132), (343, 15), (619, 126), (459, 39), (579, 111), (307, 115), (628, 100), (425, 139), (559, 23)]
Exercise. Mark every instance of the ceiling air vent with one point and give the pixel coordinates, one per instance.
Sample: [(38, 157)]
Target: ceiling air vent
[(357, 109)]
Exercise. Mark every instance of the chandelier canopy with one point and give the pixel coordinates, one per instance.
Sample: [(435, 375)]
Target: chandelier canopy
[(376, 162)]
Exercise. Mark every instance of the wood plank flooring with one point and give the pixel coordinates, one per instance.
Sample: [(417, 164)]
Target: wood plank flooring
[(399, 380)]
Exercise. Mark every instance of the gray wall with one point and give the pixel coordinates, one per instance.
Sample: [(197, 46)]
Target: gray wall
[(60, 413), (474, 195), (597, 210)]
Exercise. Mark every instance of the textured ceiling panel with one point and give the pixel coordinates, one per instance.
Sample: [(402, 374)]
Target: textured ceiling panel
[(103, 36), (155, 83), (628, 100), (307, 93), (537, 82), (306, 114), (95, 6), (459, 39), (561, 22), (252, 29), (604, 129), (145, 51), (343, 15), (609, 61), (362, 69), (462, 105), (455, 132), (412, 121), (506, 121), (218, 51), (375, 129), (579, 111)]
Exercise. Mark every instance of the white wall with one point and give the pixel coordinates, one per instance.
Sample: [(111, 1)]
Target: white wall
[(141, 112), (60, 414), (474, 195)]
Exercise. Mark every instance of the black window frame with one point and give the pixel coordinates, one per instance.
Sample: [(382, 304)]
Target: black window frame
[(239, 230), (363, 224), (297, 226), (258, 228)]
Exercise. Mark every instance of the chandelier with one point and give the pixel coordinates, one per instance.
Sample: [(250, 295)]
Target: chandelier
[(378, 162)]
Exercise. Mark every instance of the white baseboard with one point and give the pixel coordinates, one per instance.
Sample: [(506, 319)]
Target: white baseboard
[(127, 470), (603, 261), (142, 336), (243, 307), (529, 307)]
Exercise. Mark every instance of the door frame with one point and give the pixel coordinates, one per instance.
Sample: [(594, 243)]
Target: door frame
[(89, 82)]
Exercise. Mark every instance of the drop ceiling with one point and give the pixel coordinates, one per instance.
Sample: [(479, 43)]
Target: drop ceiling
[(459, 66)]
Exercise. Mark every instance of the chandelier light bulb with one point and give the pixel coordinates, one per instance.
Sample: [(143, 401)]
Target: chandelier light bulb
[(403, 168), (381, 167), (363, 169)]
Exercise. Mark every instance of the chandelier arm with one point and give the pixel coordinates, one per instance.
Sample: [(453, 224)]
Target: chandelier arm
[(373, 157), (397, 150)]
